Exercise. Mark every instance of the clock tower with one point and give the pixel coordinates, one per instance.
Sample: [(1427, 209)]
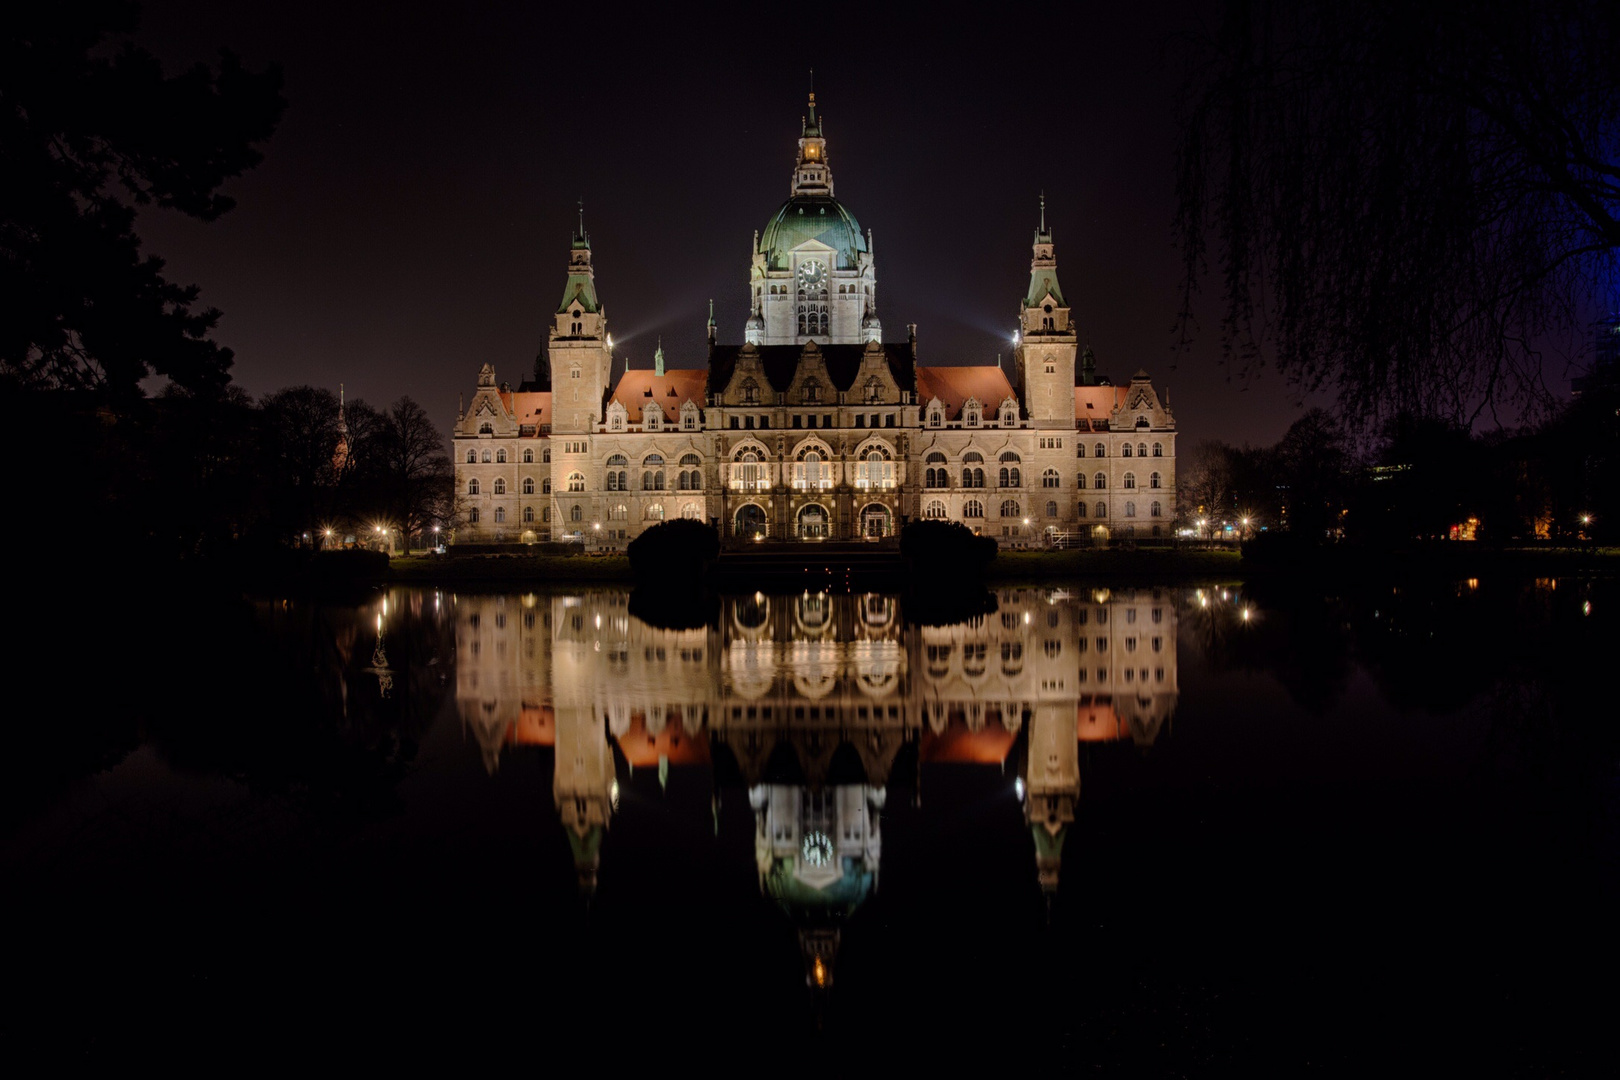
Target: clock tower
[(812, 277), (1046, 341)]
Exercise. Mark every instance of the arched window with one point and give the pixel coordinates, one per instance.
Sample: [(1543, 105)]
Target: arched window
[(1004, 478), (500, 457), (655, 512), (1079, 449), (1009, 508), (935, 509), (1082, 509), (620, 512), (1080, 481), (690, 511), (528, 485), (810, 472), (576, 513), (1158, 449), (973, 508), (812, 391), (1125, 451), (1130, 480), (750, 392), (1155, 510), (545, 486), (748, 470), (652, 480), (472, 516), (1051, 479), (1051, 509), (1009, 457), (545, 455), (500, 486), (616, 422), (486, 457), (1153, 480), (874, 391), (576, 481), (936, 417), (528, 515), (1130, 509), (1100, 450), (528, 456), (875, 470), (485, 429), (472, 457), (500, 515), (1141, 449), (472, 487), (1102, 509), (1099, 481), (691, 460)]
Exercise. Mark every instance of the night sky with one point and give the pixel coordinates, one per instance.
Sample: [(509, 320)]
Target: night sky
[(412, 215)]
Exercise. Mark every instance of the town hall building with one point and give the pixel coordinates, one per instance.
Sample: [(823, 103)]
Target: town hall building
[(815, 427)]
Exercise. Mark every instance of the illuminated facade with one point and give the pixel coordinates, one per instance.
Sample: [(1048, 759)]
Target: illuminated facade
[(815, 428)]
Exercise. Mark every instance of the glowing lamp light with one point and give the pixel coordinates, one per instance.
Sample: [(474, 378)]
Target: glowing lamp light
[(819, 972), (1018, 788), (1245, 614)]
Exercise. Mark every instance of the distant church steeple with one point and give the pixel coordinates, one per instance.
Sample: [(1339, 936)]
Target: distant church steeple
[(811, 176)]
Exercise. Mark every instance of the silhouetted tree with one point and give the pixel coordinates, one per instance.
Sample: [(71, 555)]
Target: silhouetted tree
[(1204, 481), (90, 129), (415, 473), (1312, 462), (302, 426), (1402, 200)]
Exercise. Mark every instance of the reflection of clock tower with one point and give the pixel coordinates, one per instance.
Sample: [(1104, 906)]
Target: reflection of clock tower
[(812, 277)]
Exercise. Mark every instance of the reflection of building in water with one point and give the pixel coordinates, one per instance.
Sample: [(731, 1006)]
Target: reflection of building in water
[(808, 700)]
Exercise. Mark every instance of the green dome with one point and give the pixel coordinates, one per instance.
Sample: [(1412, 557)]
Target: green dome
[(811, 217)]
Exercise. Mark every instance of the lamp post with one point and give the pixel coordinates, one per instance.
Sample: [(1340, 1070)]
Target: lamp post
[(435, 538)]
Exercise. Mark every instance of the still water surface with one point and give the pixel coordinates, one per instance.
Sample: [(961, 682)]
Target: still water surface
[(1152, 829)]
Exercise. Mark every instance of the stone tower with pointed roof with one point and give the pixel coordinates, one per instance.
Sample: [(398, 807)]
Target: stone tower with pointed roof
[(1046, 341)]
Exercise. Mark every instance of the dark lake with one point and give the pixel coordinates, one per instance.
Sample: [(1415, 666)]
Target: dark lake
[(1153, 830)]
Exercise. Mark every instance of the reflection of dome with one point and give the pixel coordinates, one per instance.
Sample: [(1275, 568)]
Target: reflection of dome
[(811, 217)]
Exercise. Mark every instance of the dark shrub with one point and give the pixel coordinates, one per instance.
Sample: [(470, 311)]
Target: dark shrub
[(946, 546), (674, 553)]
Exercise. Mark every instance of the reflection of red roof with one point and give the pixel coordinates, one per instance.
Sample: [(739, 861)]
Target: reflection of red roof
[(528, 407), (958, 745), (1097, 402), (536, 726), (673, 742), (954, 385), (1098, 722), (638, 389)]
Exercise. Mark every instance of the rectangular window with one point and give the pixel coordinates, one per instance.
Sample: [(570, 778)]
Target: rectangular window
[(764, 422), (748, 422), (860, 420), (888, 421), (798, 421), (734, 424)]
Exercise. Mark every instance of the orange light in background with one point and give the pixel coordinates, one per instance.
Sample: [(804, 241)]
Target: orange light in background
[(819, 972)]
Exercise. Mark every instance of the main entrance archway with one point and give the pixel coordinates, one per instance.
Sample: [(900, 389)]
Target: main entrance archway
[(876, 522), (750, 524), (814, 524)]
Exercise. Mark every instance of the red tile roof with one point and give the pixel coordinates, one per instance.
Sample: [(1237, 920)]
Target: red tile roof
[(1097, 402), (528, 407), (638, 388), (954, 385)]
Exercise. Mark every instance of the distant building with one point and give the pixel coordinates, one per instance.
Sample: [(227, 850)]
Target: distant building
[(815, 427)]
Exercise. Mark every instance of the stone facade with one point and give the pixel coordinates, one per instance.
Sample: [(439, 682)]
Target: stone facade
[(815, 428)]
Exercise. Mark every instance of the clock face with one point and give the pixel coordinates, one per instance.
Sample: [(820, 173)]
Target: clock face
[(818, 849), (812, 274)]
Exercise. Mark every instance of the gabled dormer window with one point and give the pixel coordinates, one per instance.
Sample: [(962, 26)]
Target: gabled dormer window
[(651, 417), (1009, 415), (874, 391), (970, 414), (936, 416), (812, 390), (750, 392)]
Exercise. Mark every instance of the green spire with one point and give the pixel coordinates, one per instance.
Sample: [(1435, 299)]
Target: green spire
[(1043, 268), (581, 288)]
